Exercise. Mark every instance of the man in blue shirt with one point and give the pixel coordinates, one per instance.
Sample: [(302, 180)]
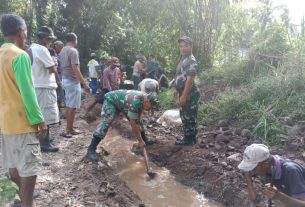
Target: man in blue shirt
[(287, 177)]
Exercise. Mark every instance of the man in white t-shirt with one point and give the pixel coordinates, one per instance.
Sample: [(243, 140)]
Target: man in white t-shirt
[(43, 69)]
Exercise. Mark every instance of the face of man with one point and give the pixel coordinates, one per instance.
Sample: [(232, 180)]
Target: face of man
[(185, 49), (47, 41), (115, 63), (261, 170), (147, 104), (21, 38), (58, 48)]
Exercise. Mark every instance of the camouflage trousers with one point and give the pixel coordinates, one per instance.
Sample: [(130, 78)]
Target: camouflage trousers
[(109, 113), (188, 115)]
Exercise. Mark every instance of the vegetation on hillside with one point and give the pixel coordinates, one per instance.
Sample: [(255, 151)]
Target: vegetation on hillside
[(254, 49)]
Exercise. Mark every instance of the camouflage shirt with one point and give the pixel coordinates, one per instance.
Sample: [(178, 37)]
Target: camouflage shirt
[(186, 67), (129, 102)]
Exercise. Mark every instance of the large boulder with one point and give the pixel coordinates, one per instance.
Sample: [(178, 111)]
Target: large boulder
[(170, 118)]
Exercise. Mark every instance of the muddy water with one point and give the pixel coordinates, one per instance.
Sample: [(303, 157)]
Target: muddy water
[(162, 191)]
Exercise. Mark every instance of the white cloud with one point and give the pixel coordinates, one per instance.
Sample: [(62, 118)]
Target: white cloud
[(296, 9)]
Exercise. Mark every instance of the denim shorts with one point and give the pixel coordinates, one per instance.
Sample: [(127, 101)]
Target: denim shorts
[(72, 93)]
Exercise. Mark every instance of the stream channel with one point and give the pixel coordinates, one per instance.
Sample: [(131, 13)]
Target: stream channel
[(161, 191)]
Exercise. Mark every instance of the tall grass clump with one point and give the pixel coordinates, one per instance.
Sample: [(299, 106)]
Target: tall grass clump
[(167, 100), (260, 100), (234, 74)]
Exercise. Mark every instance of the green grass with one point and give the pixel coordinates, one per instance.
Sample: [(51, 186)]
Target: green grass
[(258, 96), (7, 190), (167, 100)]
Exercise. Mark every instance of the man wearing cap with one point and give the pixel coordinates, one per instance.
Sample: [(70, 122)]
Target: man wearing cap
[(149, 85), (287, 178), (92, 64), (72, 79), (20, 114), (43, 72), (58, 45), (132, 104), (188, 92)]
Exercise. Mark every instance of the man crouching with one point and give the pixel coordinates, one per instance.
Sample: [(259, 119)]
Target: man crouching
[(132, 104), (286, 177)]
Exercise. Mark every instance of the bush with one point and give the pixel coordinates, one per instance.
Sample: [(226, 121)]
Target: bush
[(167, 100), (7, 190), (259, 104), (207, 113)]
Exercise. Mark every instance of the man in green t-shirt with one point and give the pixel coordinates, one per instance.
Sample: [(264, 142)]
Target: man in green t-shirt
[(21, 120), (132, 104)]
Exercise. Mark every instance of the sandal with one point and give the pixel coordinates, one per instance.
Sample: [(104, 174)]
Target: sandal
[(66, 135), (75, 132)]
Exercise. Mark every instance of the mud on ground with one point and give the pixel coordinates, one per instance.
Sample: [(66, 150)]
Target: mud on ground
[(210, 166)]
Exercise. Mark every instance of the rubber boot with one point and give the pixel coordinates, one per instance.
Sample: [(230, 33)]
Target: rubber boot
[(187, 140), (45, 144), (91, 154), (146, 139)]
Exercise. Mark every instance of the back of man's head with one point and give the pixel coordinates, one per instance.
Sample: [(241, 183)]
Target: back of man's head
[(58, 43), (150, 86), (12, 24), (71, 37), (45, 32)]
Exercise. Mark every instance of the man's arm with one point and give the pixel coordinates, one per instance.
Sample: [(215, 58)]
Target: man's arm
[(74, 61), (273, 193), (140, 85), (136, 130), (49, 62), (140, 67), (106, 83), (187, 89), (158, 91), (90, 107), (57, 78), (251, 189), (23, 74), (79, 76), (53, 69)]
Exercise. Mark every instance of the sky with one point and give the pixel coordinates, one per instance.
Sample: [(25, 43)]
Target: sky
[(296, 9)]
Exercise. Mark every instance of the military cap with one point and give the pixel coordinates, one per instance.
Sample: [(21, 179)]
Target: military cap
[(185, 39)]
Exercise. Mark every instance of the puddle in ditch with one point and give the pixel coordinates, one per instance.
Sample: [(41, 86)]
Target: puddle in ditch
[(161, 191)]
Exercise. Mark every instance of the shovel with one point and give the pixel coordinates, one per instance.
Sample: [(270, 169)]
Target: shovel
[(150, 173)]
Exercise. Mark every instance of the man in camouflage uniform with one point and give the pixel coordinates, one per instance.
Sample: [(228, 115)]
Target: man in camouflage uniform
[(132, 104), (188, 91)]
